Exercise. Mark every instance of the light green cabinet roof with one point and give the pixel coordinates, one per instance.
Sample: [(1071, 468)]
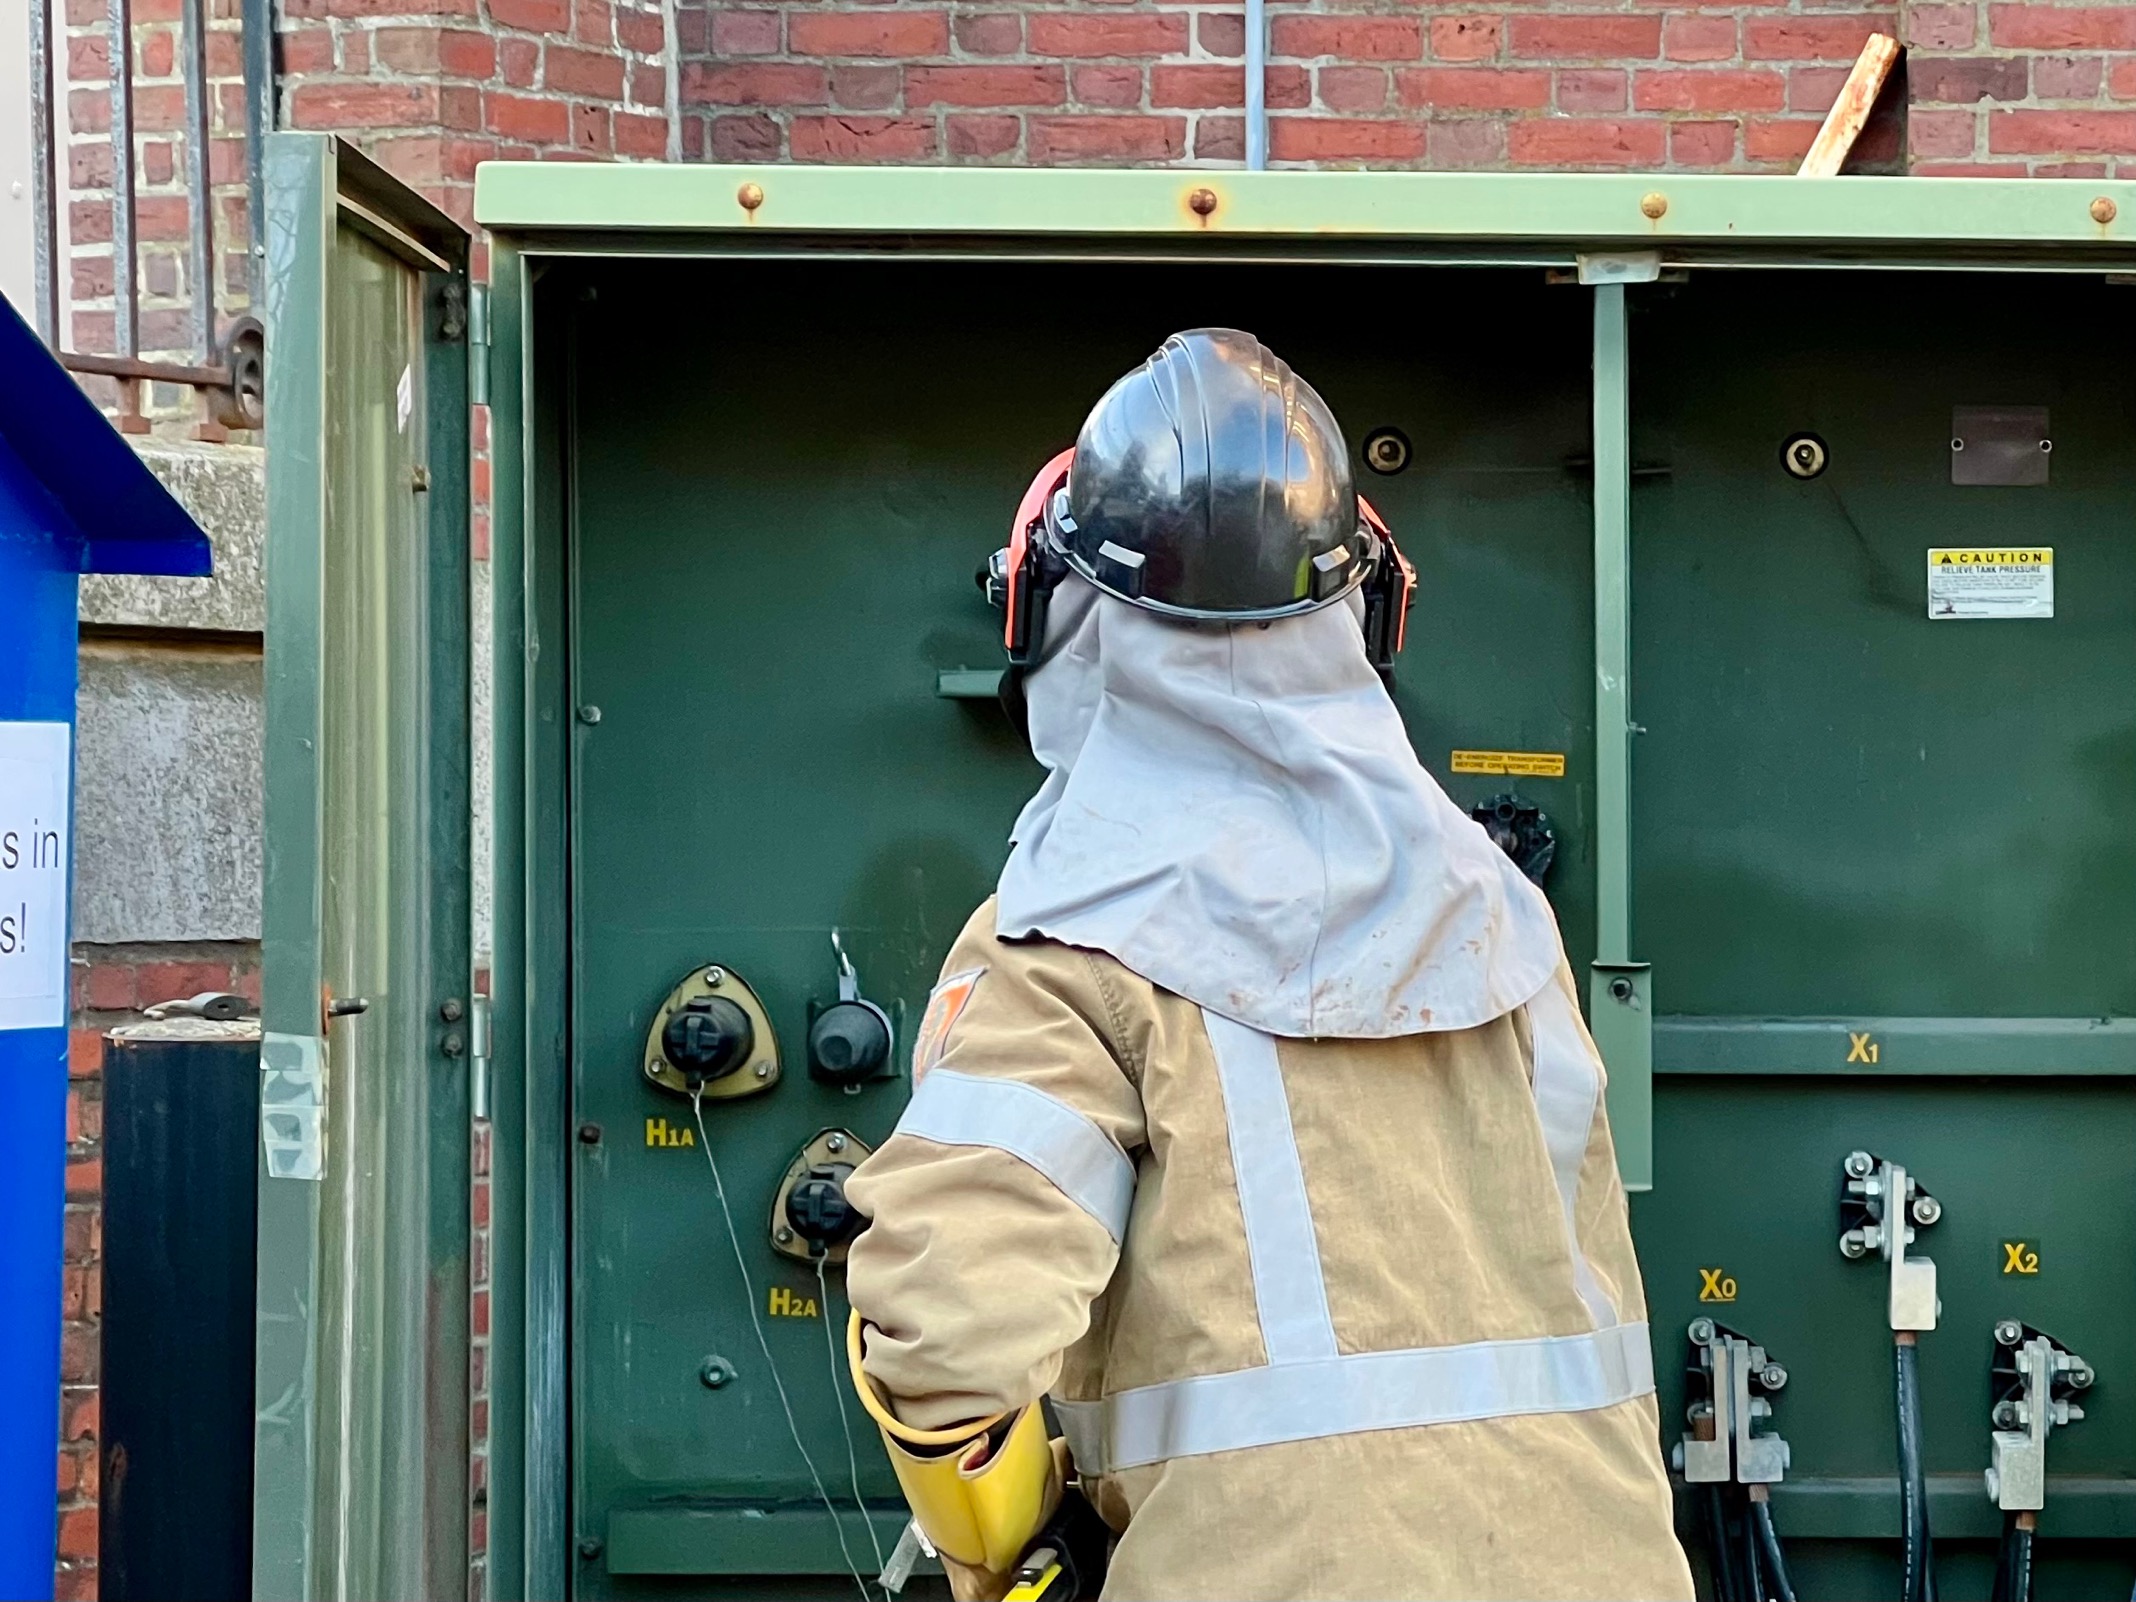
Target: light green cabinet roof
[(1532, 215)]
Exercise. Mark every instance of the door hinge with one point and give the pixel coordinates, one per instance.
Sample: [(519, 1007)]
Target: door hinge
[(478, 1056), (478, 344)]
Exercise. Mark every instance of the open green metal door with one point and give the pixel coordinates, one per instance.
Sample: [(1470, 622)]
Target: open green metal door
[(361, 1442)]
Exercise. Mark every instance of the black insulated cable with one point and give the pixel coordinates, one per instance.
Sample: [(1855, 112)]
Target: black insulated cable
[(1918, 1583), (1777, 1579), (1756, 1590), (2013, 1560), (1722, 1549)]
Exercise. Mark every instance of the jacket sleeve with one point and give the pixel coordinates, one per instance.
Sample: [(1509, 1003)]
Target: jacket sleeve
[(999, 1203)]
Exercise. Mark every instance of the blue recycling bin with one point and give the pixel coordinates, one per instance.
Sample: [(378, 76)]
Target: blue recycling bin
[(74, 499)]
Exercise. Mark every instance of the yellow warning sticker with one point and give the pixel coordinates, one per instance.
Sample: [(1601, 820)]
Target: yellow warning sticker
[(1521, 764), (1975, 583)]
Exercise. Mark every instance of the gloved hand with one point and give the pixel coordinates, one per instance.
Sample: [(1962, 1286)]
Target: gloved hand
[(979, 1490), (969, 1584)]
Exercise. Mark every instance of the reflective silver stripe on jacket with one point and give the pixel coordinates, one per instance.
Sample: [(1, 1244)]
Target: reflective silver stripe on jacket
[(1292, 1298), (965, 1110), (1308, 1388), (1567, 1087), (1361, 1391)]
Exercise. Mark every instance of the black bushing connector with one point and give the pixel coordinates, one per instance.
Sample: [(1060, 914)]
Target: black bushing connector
[(1522, 831), (817, 1207), (848, 1043), (708, 1038)]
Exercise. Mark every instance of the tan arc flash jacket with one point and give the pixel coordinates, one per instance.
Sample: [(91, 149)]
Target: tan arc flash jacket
[(1320, 1318)]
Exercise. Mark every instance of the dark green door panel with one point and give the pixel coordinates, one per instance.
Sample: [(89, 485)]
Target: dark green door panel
[(1840, 806), (776, 509), (1845, 811)]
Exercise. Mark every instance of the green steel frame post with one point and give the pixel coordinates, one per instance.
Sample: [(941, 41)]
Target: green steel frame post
[(531, 1546), (1620, 995), (511, 1341)]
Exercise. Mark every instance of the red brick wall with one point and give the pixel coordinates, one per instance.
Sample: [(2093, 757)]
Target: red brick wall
[(111, 986), (431, 87), (1375, 83), (2022, 89)]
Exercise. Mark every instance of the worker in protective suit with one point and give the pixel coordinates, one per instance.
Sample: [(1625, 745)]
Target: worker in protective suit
[(1254, 1121)]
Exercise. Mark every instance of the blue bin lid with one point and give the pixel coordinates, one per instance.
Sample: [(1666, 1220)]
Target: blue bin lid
[(75, 479)]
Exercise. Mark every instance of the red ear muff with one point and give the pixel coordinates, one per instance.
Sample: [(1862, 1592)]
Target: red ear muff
[(1026, 577), (1389, 592)]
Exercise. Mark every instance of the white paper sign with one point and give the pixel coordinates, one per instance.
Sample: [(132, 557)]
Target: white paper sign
[(1971, 582), (36, 773)]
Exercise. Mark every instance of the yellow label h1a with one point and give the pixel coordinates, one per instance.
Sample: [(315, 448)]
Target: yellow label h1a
[(659, 1132)]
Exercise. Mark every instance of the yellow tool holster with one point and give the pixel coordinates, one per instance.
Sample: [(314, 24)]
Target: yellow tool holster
[(981, 1514)]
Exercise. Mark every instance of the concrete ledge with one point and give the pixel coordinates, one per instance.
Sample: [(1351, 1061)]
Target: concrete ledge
[(225, 488)]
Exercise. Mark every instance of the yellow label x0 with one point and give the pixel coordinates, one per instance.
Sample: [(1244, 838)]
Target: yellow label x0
[(1716, 1285)]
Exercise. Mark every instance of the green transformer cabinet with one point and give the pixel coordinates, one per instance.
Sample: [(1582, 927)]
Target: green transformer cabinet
[(1777, 546)]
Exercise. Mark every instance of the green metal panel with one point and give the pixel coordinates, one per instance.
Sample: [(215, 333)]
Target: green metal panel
[(1876, 215), (1841, 805), (759, 534), (771, 758), (362, 1433)]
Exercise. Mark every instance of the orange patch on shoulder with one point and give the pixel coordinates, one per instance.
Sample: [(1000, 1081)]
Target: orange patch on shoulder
[(944, 1006)]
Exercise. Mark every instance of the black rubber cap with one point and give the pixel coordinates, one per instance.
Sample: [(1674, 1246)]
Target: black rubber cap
[(817, 1207), (709, 1038), (848, 1042)]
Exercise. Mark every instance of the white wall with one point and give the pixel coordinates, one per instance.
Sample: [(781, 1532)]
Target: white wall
[(18, 200)]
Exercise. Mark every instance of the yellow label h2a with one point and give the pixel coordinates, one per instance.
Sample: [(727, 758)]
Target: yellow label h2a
[(780, 1302)]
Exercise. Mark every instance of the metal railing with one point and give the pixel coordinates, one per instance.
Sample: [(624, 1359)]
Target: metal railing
[(221, 353)]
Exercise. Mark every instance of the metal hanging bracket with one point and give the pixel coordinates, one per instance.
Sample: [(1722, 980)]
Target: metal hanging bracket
[(2035, 1377), (1880, 1206), (478, 344), (1732, 1382)]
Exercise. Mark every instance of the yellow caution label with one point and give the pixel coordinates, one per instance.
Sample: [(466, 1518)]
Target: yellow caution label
[(1970, 582), (2032, 556), (1521, 764)]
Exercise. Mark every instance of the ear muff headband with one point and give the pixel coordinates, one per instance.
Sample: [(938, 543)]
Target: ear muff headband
[(1028, 582), (1389, 592)]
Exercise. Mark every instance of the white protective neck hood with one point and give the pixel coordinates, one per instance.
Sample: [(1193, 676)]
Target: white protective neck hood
[(1235, 813)]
